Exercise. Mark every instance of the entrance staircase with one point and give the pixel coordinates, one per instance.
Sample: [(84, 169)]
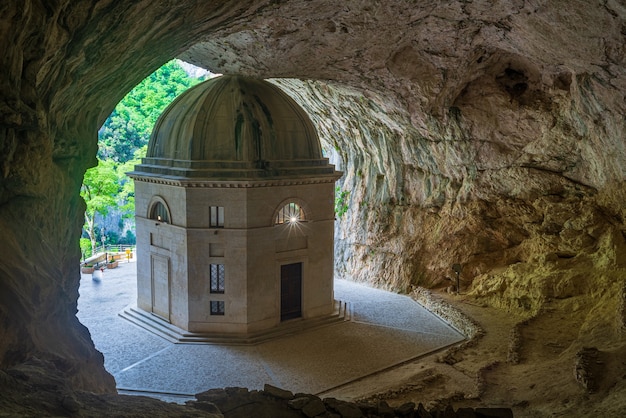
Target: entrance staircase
[(162, 328)]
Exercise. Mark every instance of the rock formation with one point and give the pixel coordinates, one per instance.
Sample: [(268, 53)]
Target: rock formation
[(489, 134)]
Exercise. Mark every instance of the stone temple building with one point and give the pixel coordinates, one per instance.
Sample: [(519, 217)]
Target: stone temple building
[(234, 212)]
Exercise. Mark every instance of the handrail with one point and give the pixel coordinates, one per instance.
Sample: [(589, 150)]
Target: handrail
[(114, 248), (103, 250)]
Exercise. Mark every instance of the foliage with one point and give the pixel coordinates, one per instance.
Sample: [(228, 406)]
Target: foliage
[(129, 238), (112, 238), (130, 125), (128, 186), (341, 201), (85, 247), (101, 190), (104, 187)]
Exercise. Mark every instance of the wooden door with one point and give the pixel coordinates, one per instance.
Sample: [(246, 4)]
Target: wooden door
[(290, 291)]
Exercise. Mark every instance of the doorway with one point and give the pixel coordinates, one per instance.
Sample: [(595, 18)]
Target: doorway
[(161, 286), (290, 291)]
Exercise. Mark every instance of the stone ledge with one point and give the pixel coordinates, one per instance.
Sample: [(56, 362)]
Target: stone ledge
[(275, 402), (451, 315)]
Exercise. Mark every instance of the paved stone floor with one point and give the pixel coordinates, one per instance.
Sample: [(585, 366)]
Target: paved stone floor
[(385, 330)]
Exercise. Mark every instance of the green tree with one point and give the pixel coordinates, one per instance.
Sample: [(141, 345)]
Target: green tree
[(101, 190), (127, 204), (129, 126)]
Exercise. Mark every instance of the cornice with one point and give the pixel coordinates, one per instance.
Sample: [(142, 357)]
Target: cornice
[(234, 184)]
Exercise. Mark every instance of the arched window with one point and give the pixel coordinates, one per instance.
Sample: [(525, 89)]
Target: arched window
[(159, 213), (290, 213)]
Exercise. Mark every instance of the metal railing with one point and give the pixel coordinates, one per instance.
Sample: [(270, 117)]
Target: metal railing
[(104, 252), (117, 248)]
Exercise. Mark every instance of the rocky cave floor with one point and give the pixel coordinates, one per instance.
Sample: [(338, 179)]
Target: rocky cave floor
[(535, 366)]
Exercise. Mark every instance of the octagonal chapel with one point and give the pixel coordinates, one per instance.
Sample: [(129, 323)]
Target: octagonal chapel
[(234, 212)]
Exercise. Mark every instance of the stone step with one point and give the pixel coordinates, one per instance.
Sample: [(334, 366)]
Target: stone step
[(172, 333), (150, 322)]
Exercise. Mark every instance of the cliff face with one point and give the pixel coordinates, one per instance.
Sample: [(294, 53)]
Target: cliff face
[(501, 180), (489, 134)]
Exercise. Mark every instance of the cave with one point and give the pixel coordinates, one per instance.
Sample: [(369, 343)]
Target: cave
[(488, 135)]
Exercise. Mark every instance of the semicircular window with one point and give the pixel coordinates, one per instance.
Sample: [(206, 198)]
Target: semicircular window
[(159, 213), (290, 213)]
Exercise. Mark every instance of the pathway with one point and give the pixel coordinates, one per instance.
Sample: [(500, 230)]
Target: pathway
[(385, 330)]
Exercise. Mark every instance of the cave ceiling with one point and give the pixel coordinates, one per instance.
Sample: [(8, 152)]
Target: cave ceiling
[(423, 53)]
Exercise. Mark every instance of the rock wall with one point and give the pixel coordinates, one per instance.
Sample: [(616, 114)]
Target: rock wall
[(489, 134), (501, 180)]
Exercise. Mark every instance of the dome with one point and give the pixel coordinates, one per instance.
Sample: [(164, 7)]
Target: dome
[(234, 127)]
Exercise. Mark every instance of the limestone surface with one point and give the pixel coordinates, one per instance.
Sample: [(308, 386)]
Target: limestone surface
[(483, 133)]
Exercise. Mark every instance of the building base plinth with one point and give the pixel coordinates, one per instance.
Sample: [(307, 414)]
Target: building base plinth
[(174, 334)]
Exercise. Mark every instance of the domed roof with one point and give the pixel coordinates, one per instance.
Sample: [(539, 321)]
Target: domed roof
[(234, 127)]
